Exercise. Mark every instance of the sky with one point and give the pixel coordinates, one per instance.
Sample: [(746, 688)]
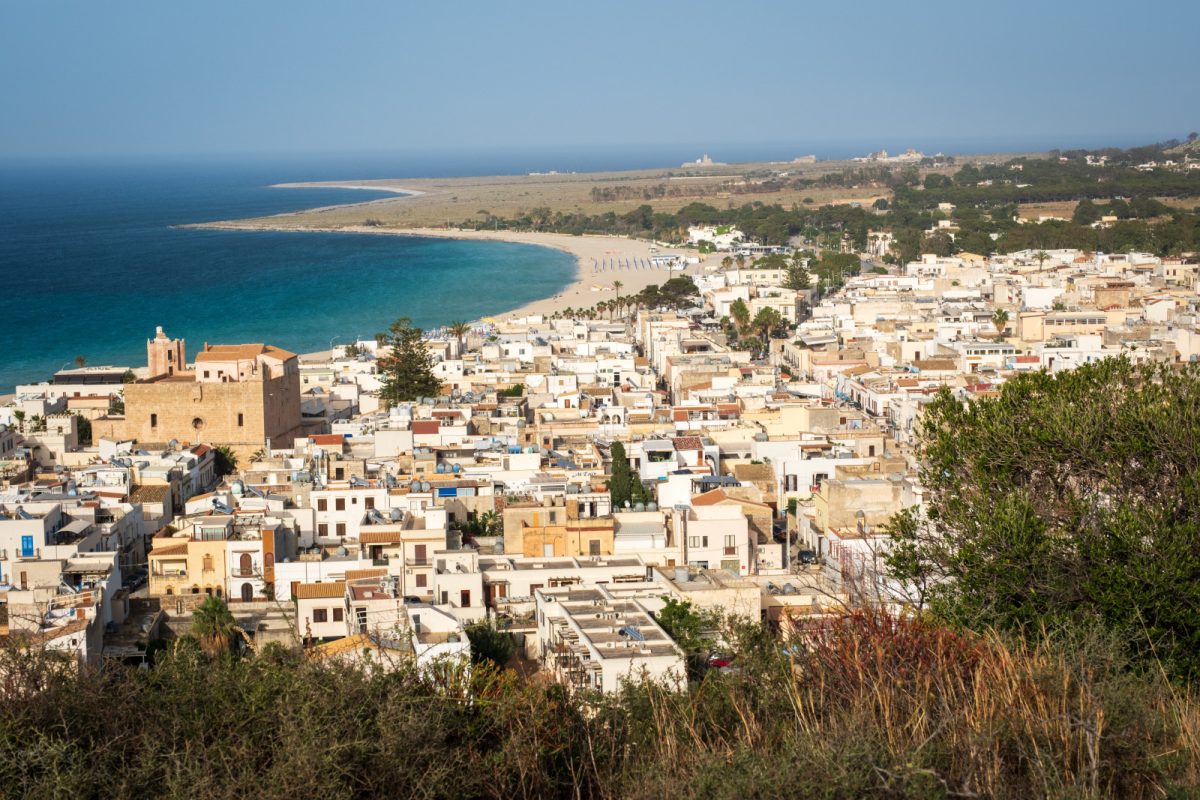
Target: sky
[(152, 78)]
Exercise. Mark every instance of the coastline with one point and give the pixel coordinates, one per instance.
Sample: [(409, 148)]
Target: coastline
[(588, 286)]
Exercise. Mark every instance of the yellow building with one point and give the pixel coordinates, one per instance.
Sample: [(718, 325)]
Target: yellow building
[(231, 556), (570, 537)]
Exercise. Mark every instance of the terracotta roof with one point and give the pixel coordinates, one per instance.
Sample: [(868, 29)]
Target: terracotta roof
[(242, 352), (754, 472), (170, 550), (149, 494), (320, 591), (717, 496), (687, 443), (379, 537), (425, 426), (328, 438), (358, 574)]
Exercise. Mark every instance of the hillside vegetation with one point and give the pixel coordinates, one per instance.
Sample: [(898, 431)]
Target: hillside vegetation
[(867, 708)]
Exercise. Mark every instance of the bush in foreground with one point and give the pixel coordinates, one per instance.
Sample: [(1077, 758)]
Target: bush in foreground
[(868, 707)]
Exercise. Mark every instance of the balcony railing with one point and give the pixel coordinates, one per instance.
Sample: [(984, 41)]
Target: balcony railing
[(417, 562), (731, 551), (238, 572)]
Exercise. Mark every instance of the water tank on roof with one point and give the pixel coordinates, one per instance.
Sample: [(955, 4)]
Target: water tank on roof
[(396, 514), (238, 488), (457, 468), (342, 551), (652, 506), (681, 574), (639, 506), (441, 469)]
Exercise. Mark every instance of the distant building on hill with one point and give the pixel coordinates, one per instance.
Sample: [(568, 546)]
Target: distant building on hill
[(244, 396)]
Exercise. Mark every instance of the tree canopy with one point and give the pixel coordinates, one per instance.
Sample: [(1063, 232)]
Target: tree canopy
[(1069, 498), (408, 366)]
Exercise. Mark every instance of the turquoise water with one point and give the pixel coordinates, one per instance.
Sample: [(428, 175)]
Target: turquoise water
[(90, 264)]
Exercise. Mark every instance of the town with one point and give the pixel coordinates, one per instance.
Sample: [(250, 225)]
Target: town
[(734, 447)]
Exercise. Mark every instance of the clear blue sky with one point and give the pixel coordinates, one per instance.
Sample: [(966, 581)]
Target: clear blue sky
[(115, 78)]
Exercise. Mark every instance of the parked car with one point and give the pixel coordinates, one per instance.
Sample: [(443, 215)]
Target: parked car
[(807, 557)]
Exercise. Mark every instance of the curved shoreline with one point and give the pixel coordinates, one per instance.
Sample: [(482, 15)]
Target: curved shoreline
[(588, 286)]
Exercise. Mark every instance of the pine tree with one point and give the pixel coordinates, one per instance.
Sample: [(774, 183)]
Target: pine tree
[(408, 367)]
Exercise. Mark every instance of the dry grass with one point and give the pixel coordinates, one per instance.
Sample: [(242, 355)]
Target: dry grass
[(865, 707), (1066, 208), (455, 200)]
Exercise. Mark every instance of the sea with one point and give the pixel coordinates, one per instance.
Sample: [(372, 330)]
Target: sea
[(91, 262), (92, 258)]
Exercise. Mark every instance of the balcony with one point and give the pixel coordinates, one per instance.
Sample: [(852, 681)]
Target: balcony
[(380, 562), (238, 572), (730, 551), (418, 562)]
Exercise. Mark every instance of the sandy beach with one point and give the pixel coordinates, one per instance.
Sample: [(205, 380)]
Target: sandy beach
[(590, 286)]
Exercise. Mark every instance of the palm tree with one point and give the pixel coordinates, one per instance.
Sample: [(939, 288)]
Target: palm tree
[(213, 625), (80, 361), (617, 288), (19, 416), (1041, 256), (740, 313), (226, 461), (258, 455), (1000, 321), (459, 329), (765, 321), (727, 262), (741, 261)]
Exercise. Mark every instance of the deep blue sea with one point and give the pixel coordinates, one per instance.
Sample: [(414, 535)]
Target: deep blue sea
[(90, 264)]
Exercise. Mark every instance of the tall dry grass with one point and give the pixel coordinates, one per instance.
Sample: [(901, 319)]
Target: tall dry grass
[(864, 706)]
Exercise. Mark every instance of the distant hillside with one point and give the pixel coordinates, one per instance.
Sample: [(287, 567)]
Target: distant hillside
[(1191, 147)]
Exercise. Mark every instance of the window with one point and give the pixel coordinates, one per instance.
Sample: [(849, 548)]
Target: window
[(341, 529), (422, 579), (320, 615), (339, 474), (322, 529), (206, 373), (154, 420), (322, 504), (340, 504), (731, 541), (337, 615), (693, 541), (369, 502), (208, 564), (465, 598), (241, 420)]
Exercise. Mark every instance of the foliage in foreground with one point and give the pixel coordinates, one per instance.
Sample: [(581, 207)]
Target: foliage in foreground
[(1067, 498), (871, 707)]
